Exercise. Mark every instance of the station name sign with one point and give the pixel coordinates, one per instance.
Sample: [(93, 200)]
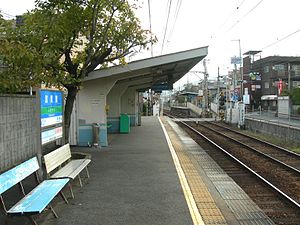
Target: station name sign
[(51, 102), (162, 87), (51, 107)]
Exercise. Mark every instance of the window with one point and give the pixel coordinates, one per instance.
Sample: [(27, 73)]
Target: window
[(296, 70), (267, 85), (266, 69), (278, 67)]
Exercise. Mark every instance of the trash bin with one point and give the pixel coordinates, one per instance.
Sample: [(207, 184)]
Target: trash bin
[(124, 123), (96, 135)]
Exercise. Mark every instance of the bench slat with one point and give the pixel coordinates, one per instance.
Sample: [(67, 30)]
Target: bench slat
[(72, 169), (17, 174), (37, 200), (57, 157)]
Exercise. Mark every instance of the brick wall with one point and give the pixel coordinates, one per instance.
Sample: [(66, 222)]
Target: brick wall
[(18, 129)]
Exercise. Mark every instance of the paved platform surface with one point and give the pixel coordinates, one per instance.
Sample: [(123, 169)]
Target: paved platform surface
[(134, 181)]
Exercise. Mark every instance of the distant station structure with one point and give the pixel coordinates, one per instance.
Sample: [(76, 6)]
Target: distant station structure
[(106, 94)]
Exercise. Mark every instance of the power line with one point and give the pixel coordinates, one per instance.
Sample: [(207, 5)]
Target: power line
[(237, 8), (251, 10), (6, 14), (149, 11), (285, 37), (166, 27), (178, 6)]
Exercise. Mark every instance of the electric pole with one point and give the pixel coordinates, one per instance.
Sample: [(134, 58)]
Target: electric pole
[(218, 92), (205, 89)]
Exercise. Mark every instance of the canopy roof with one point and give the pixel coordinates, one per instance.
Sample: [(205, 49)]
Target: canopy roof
[(161, 71)]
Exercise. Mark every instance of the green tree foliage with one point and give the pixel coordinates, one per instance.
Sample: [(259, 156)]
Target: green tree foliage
[(295, 95), (61, 42)]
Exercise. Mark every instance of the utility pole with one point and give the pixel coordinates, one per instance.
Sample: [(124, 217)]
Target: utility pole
[(218, 92), (205, 89), (241, 70)]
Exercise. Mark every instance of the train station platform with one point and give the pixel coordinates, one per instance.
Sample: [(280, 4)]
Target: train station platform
[(155, 175)]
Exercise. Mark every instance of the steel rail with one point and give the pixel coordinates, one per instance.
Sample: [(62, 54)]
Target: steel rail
[(257, 139), (286, 196), (255, 150)]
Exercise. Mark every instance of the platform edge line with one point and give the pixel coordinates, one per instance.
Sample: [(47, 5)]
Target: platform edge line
[(195, 214)]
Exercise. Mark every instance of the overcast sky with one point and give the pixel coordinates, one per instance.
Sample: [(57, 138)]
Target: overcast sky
[(216, 23)]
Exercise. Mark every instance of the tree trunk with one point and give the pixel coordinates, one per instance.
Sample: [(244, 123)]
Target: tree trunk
[(72, 92)]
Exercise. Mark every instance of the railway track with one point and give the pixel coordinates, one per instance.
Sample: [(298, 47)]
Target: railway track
[(269, 176), (282, 155)]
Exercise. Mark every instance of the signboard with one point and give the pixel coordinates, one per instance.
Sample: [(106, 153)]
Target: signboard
[(51, 135), (255, 76), (279, 87), (51, 103), (200, 93), (236, 60), (246, 99), (51, 107), (162, 87)]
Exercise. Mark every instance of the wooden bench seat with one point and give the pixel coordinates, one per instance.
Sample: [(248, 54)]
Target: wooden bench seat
[(59, 164), (36, 200)]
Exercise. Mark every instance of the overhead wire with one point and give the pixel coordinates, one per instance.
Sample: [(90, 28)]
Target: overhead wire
[(6, 14), (169, 3), (177, 9), (282, 39), (250, 11), (217, 32), (227, 19), (150, 22)]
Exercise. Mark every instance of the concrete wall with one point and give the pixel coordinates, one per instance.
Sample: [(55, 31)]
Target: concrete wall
[(281, 131), (129, 105), (114, 99), (18, 129), (91, 102), (194, 108)]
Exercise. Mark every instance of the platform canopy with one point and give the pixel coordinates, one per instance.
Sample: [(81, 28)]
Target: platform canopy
[(157, 73)]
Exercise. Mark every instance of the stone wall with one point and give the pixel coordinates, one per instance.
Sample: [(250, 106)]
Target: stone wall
[(18, 129)]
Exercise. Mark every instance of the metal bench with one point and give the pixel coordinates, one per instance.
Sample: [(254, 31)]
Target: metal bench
[(35, 201), (59, 164)]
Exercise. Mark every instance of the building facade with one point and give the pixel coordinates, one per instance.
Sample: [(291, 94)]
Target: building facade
[(270, 77)]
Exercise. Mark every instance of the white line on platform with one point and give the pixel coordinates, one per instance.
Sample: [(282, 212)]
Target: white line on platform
[(196, 217)]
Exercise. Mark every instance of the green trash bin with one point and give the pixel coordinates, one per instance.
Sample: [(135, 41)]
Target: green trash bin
[(124, 123)]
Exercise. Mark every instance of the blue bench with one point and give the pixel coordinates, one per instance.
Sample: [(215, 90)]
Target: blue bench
[(35, 201)]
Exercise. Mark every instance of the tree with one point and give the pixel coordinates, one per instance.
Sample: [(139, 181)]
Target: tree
[(295, 95), (61, 42)]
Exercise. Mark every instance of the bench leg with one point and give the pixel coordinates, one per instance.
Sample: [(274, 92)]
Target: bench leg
[(52, 210), (63, 197), (32, 220), (71, 190), (79, 178), (87, 172)]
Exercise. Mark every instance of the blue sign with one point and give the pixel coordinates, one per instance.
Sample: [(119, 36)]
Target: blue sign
[(51, 107), (51, 98), (161, 87)]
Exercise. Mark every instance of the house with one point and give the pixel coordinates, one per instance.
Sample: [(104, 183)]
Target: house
[(267, 78)]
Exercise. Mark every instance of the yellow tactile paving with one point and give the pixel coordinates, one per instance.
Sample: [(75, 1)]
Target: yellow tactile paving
[(206, 205)]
